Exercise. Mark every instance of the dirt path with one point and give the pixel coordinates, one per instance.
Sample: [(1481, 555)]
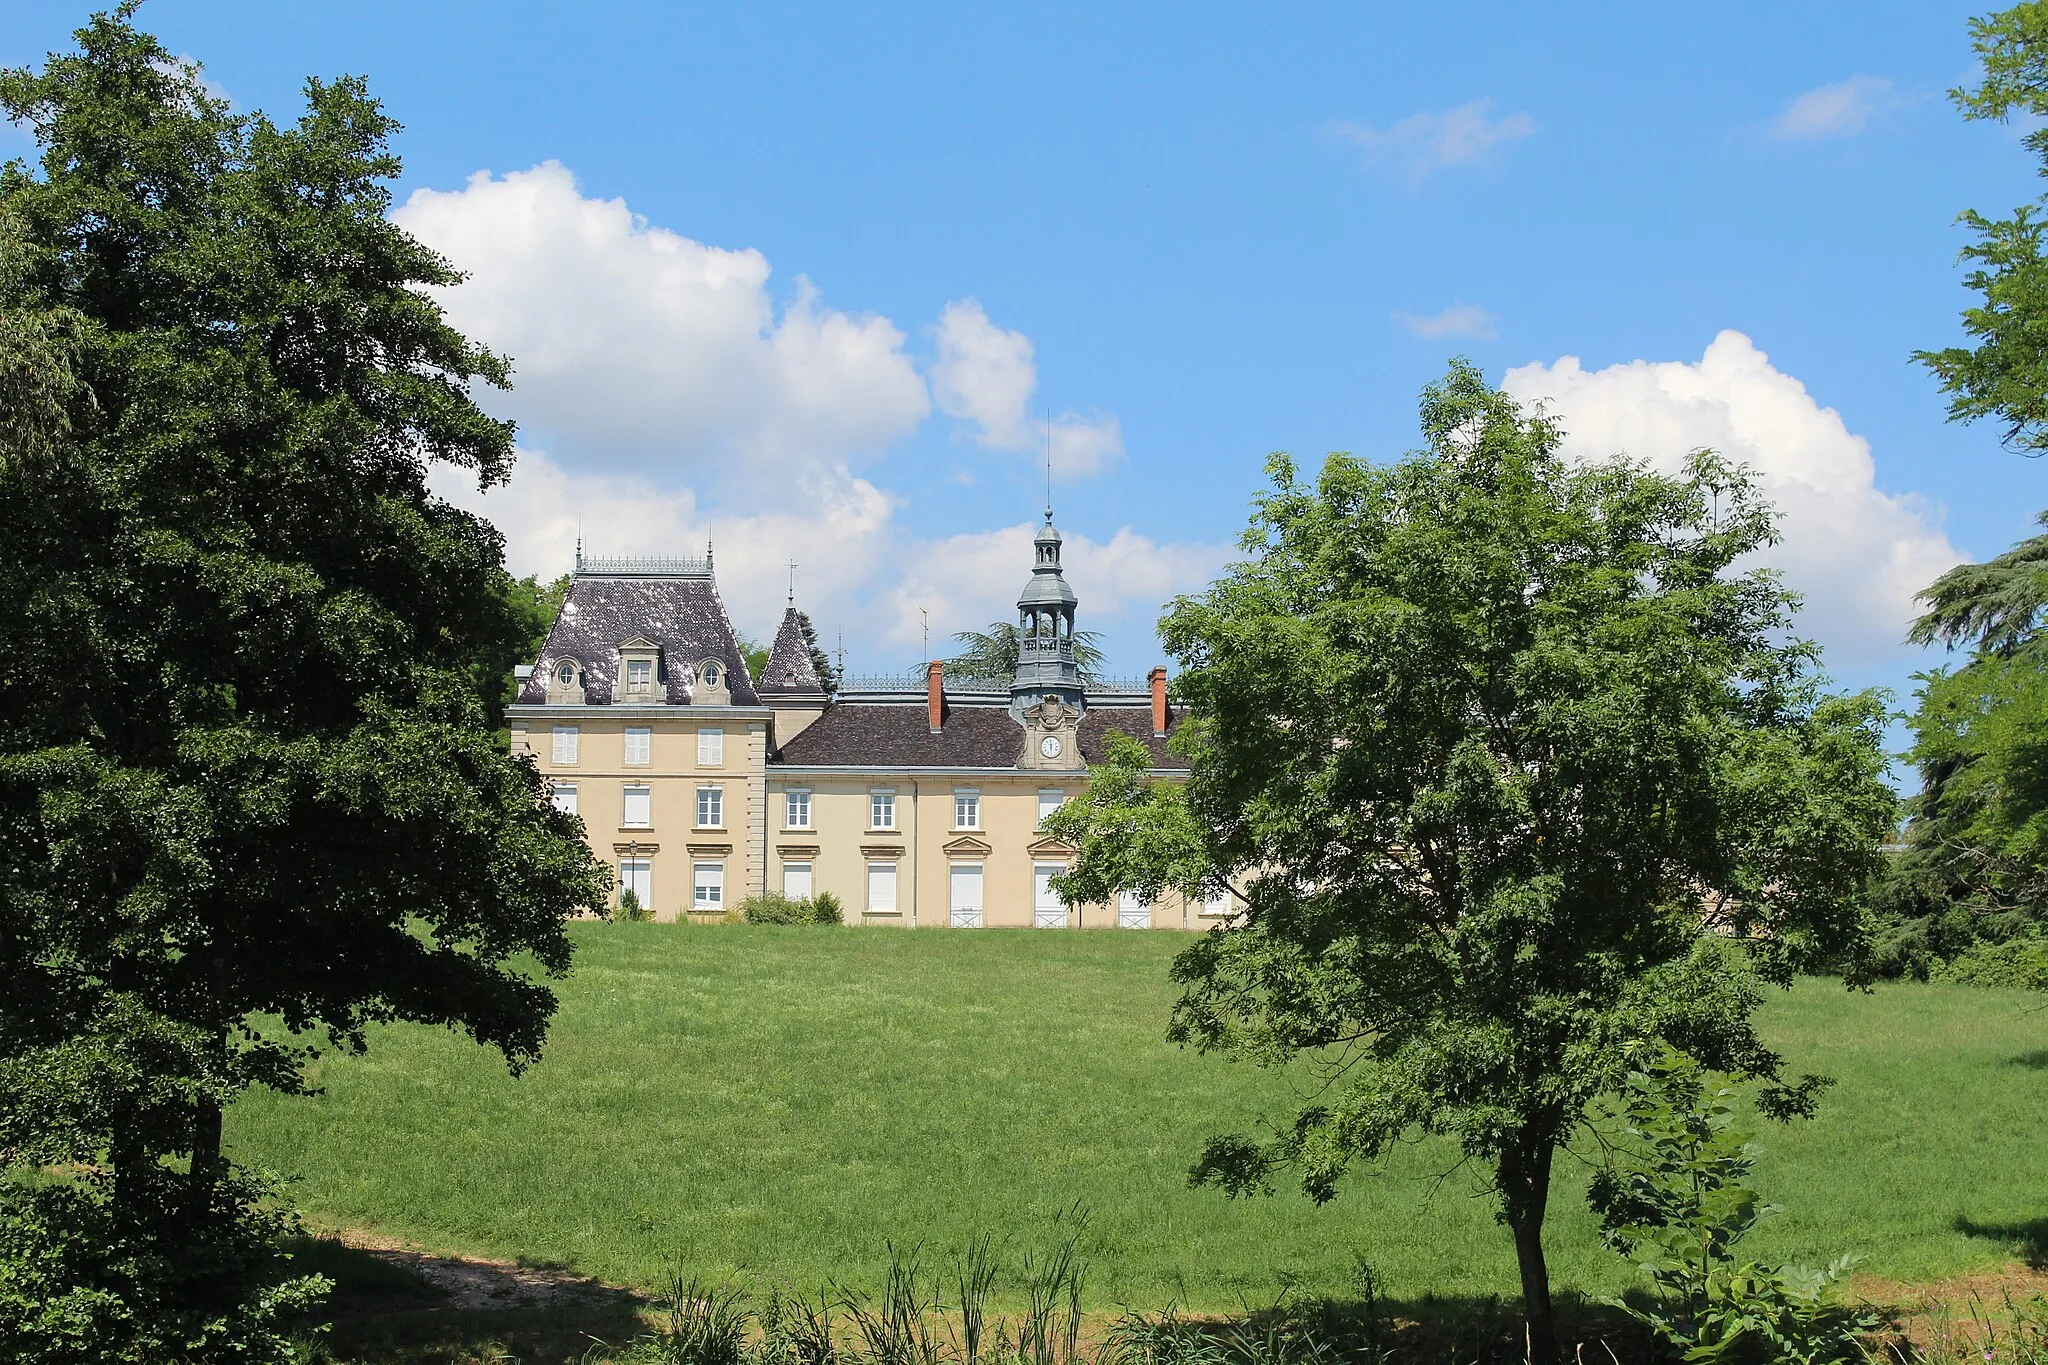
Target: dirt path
[(474, 1282)]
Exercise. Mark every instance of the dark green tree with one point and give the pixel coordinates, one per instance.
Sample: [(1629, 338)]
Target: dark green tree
[(991, 655), (828, 676), (246, 769), (1509, 770), (2004, 375)]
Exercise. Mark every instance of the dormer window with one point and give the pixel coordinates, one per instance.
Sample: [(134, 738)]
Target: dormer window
[(637, 669), (565, 673), (711, 674), (565, 683)]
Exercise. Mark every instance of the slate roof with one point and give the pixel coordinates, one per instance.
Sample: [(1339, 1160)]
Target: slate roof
[(683, 614), (898, 735), (790, 670)]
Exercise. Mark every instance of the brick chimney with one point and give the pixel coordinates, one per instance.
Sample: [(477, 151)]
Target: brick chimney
[(935, 694), (1159, 701)]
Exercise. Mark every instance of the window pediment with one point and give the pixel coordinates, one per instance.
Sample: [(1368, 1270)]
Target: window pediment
[(968, 846)]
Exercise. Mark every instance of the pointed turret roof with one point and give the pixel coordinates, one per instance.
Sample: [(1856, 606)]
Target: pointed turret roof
[(790, 670)]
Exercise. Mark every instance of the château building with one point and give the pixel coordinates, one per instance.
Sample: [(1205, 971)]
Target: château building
[(916, 802)]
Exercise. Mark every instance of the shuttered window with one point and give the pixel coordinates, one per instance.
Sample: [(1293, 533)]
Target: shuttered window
[(1047, 910), (565, 743), (564, 794), (639, 807), (965, 902), (882, 887), (1132, 911), (796, 880), (639, 746), (711, 748), (707, 886)]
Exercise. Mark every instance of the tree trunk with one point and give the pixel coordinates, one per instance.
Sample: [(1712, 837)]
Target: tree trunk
[(1525, 1197)]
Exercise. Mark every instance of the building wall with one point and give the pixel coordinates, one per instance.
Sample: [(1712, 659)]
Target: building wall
[(841, 844), (755, 844), (671, 842)]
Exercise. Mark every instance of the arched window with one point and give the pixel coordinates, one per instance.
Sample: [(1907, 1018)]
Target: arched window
[(565, 673), (711, 673)]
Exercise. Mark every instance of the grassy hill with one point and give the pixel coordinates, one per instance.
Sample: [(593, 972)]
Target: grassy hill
[(785, 1101)]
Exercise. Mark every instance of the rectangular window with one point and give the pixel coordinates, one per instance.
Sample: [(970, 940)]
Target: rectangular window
[(639, 808), (882, 888), (796, 880), (967, 809), (639, 677), (882, 810), (707, 886), (637, 875), (711, 748), (639, 746), (1047, 910), (1132, 911), (796, 809), (565, 743), (965, 902), (1216, 904), (711, 807), (1049, 800), (564, 794)]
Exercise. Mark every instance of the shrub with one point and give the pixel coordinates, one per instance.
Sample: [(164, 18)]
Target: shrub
[(1673, 1200), (2018, 962), (772, 907), (630, 908), (826, 909)]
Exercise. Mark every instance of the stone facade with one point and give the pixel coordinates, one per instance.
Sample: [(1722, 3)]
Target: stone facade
[(916, 806)]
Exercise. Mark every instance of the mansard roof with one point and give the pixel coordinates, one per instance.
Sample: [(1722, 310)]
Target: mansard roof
[(880, 735), (680, 613), (790, 671)]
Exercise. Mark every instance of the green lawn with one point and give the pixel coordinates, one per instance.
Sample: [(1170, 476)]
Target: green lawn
[(784, 1101)]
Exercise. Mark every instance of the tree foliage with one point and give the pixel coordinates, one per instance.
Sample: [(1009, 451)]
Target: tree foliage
[(821, 664), (991, 655), (2004, 375), (1510, 768), (247, 769)]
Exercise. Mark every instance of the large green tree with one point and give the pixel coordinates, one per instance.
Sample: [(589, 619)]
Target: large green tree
[(250, 797), (1510, 766)]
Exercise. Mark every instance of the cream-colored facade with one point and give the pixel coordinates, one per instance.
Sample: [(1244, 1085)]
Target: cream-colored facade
[(915, 805)]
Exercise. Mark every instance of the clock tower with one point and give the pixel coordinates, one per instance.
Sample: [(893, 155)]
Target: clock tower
[(1046, 696)]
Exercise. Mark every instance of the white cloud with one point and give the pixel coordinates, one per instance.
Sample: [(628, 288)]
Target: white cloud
[(631, 339), (1458, 320), (966, 581), (1423, 143), (1856, 552), (1836, 110), (986, 375)]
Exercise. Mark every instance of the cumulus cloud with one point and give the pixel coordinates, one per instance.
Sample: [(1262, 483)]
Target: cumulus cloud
[(1856, 552), (1425, 143), (1837, 110), (1458, 320), (986, 375), (633, 340)]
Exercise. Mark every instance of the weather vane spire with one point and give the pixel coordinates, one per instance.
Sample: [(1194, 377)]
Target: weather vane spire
[(792, 582), (1048, 464)]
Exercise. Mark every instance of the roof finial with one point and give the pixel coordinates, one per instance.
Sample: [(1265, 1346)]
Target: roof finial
[(1048, 464), (707, 546), (792, 582), (579, 551)]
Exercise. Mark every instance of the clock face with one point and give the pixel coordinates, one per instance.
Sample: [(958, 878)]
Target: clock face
[(1050, 746)]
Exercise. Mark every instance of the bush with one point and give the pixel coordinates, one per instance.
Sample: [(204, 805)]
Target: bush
[(630, 908), (2018, 962), (772, 907)]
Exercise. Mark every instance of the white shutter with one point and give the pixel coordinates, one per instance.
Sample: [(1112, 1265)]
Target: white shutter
[(1047, 910), (637, 875), (639, 746), (564, 794), (1131, 912), (711, 748), (796, 880), (1049, 799), (882, 886), (966, 896), (565, 743), (707, 889), (639, 807)]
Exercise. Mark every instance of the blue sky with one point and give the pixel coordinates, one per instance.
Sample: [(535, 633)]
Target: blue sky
[(814, 276)]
